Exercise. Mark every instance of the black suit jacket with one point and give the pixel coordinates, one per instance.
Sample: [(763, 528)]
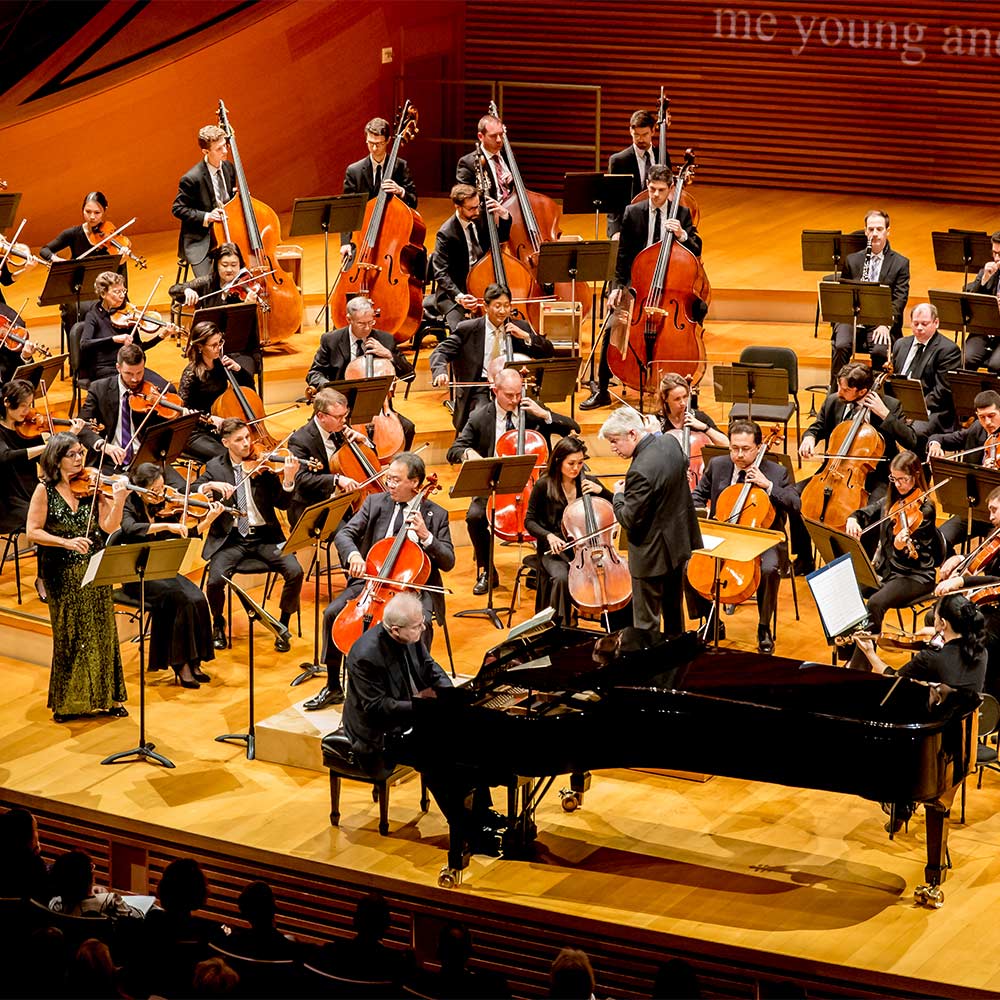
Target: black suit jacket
[(988, 287), (268, 495), (103, 405), (195, 197), (479, 431), (360, 177), (964, 439), (634, 233), (310, 487), (719, 474), (940, 356), (465, 173), (451, 254), (624, 162), (656, 508), (380, 697), (334, 355), (465, 350), (895, 273)]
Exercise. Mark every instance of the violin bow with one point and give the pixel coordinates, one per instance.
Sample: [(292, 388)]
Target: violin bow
[(142, 312), (909, 503), (107, 238), (149, 412)]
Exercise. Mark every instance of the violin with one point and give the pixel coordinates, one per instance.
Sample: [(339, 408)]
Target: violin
[(244, 404), (906, 518), (390, 250), (274, 461), (254, 226), (387, 430), (19, 254), (691, 441), (512, 508), (191, 506), (672, 294), (89, 479), (854, 449), (147, 321), (167, 405), (599, 577), (96, 237), (392, 564), (747, 505), (35, 423), (16, 337), (245, 284)]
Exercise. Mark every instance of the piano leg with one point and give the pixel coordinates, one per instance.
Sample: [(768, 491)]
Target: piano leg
[(936, 817)]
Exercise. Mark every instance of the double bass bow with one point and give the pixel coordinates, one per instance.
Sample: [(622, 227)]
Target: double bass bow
[(255, 228), (390, 252), (671, 300)]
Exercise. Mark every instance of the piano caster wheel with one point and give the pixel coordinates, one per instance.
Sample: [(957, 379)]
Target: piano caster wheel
[(932, 895), (570, 800), (449, 878)]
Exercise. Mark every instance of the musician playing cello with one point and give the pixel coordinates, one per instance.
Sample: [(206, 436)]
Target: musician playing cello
[(381, 516), (643, 225)]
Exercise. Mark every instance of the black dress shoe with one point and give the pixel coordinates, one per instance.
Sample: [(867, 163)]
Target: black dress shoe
[(219, 639), (710, 632), (803, 566), (595, 400), (282, 643), (200, 676), (118, 712), (492, 820), (482, 585), (40, 590), (59, 717), (765, 641), (327, 696), (487, 842)]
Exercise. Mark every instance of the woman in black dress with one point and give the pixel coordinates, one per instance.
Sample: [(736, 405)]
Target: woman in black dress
[(181, 634)]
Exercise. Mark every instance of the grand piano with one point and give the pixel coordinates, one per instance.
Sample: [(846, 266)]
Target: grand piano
[(564, 701)]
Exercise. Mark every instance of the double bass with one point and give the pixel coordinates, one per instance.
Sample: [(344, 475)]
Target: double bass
[(255, 228), (671, 301), (389, 254)]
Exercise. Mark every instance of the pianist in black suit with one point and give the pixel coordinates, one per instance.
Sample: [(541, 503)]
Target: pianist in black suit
[(980, 351), (389, 668)]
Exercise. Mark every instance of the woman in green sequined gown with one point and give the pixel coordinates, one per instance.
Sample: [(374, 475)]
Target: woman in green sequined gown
[(87, 671)]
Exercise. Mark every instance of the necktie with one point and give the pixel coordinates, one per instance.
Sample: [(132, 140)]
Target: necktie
[(127, 426), (657, 232), (220, 187), (359, 349), (502, 177), (497, 348), (647, 162), (510, 421), (410, 666), (848, 409), (243, 523), (475, 250), (911, 362), (378, 178), (394, 520), (742, 477), (871, 272)]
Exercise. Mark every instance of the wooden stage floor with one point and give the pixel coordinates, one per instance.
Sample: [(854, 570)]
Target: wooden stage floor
[(745, 872)]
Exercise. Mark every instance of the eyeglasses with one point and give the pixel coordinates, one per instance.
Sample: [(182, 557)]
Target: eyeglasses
[(393, 480), (421, 625), (896, 480)]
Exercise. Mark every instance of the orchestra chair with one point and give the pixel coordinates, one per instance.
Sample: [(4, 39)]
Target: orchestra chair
[(80, 380), (777, 357), (340, 758), (986, 748), (321, 983), (529, 564), (261, 978), (76, 930), (11, 541)]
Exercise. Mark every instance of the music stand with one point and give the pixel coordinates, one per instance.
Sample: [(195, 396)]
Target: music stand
[(585, 192), (967, 312), (958, 249), (341, 213), (315, 525), (476, 478), (140, 561), (962, 488), (910, 393), (554, 378), (966, 385), (9, 203), (163, 443), (721, 541), (41, 374), (860, 303), (254, 613), (747, 383), (365, 396), (824, 249), (238, 325), (67, 279), (832, 543), (837, 596)]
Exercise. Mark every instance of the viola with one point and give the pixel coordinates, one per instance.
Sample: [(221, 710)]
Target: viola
[(854, 449), (255, 228), (96, 236), (390, 252), (747, 505), (672, 293), (16, 338), (35, 423), (393, 563), (512, 508), (536, 219), (691, 441), (147, 321), (19, 254), (599, 577), (387, 430), (244, 404)]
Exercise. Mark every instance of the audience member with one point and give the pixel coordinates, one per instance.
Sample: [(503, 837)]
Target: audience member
[(262, 940), (213, 978), (92, 974), (571, 976), (74, 891), (42, 974), (676, 980), (455, 980), (22, 870)]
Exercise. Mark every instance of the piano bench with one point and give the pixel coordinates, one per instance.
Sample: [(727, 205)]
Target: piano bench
[(342, 762)]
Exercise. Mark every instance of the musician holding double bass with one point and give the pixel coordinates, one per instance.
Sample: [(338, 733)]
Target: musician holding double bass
[(643, 225), (637, 159)]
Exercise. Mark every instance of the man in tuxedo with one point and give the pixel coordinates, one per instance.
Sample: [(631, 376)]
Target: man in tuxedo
[(477, 342), (499, 179), (772, 477), (107, 404), (981, 351), (365, 176), (258, 535), (653, 504), (478, 438), (928, 355), (884, 267), (461, 241), (202, 194), (643, 225), (636, 160), (381, 516)]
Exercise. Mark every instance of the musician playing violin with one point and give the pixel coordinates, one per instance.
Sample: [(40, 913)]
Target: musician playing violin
[(982, 351), (258, 535), (381, 516), (227, 263), (636, 159), (643, 225), (744, 446), (12, 357), (462, 240), (907, 557)]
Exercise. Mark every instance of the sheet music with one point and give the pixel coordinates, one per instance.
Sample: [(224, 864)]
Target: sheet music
[(837, 595)]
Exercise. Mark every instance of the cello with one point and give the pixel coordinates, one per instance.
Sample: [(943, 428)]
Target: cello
[(244, 404), (746, 505), (536, 219), (671, 300), (390, 249), (255, 228), (691, 441), (391, 564), (387, 431)]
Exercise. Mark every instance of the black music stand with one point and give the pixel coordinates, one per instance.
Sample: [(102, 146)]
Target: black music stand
[(141, 561), (966, 312), (67, 279), (749, 383), (315, 525), (163, 443), (965, 386), (9, 203), (340, 213), (958, 250), (365, 396), (910, 393), (238, 325), (962, 488), (825, 249), (831, 544), (254, 613), (476, 478), (554, 378), (598, 193), (860, 303), (41, 374)]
